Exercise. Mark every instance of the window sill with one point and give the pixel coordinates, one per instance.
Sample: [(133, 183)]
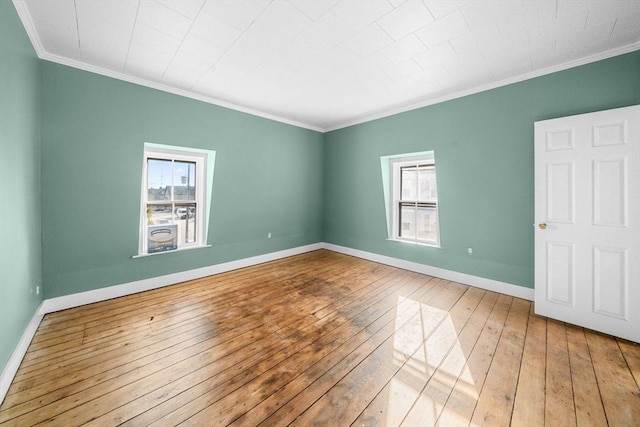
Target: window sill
[(171, 252), (409, 242)]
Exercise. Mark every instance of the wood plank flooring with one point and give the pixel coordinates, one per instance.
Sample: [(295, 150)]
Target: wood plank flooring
[(321, 339)]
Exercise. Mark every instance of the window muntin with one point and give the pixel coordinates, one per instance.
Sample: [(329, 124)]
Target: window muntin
[(414, 207), (173, 200)]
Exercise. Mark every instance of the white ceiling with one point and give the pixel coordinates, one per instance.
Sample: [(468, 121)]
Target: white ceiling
[(325, 64)]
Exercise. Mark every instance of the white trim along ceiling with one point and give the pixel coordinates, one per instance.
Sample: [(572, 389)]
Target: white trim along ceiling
[(328, 64)]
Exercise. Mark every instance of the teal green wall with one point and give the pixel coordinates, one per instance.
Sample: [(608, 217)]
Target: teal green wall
[(268, 178), (71, 158), (484, 159), (20, 251)]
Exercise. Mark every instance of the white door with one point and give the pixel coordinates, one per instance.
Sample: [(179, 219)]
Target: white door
[(587, 212)]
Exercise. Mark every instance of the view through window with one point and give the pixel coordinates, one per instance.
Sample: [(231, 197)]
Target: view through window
[(415, 199), (172, 200)]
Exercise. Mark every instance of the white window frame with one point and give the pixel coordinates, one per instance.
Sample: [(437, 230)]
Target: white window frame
[(199, 157), (396, 164)]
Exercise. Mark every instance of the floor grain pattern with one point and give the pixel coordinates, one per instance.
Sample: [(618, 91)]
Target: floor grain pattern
[(321, 339)]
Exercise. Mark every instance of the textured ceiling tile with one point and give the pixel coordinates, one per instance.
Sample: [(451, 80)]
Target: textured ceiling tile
[(334, 61), (215, 30), (436, 56), (222, 78), (513, 36), (570, 16), (589, 35), (57, 16), (465, 46), (600, 12), (163, 19), (276, 71), (628, 23), (246, 57), (432, 79), (104, 45), (237, 13), (276, 25), (325, 33), (145, 62), (186, 69), (488, 39), (187, 8), (553, 59), (458, 74), (120, 14), (313, 9), (535, 14), (155, 39), (396, 3), (113, 61), (480, 13), (369, 40), (541, 39), (195, 46), (610, 43), (404, 49), (440, 8), (361, 14), (296, 54), (443, 30), (404, 70), (373, 63), (63, 44), (55, 23), (407, 18)]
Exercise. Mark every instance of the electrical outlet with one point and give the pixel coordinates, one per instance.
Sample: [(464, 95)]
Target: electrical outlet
[(269, 235), (470, 251), (37, 290)]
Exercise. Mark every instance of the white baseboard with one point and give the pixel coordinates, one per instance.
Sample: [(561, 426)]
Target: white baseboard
[(89, 297), (454, 276), (13, 364)]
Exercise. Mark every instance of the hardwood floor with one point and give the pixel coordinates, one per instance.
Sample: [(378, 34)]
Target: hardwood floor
[(321, 339)]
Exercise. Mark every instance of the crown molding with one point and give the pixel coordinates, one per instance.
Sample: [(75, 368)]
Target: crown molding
[(493, 85), (176, 91), (25, 17), (27, 23)]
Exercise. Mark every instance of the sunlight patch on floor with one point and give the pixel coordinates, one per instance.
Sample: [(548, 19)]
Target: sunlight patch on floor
[(431, 360)]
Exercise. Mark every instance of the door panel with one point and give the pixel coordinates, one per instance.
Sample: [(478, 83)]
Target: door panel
[(560, 192), (610, 192), (560, 273), (610, 282), (587, 199)]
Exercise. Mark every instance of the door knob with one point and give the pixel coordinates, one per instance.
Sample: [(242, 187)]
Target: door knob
[(542, 226)]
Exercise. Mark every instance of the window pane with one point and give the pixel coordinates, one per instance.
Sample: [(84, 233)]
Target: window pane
[(159, 214), (408, 183), (408, 222), (427, 224), (185, 217), (158, 176), (427, 185), (184, 181)]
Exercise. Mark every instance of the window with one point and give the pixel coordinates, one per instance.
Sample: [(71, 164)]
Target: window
[(174, 196), (414, 199)]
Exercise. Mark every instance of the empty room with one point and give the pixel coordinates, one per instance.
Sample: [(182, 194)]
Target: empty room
[(320, 212)]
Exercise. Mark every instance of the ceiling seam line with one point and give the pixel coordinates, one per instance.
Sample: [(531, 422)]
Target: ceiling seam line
[(135, 22), (75, 10)]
